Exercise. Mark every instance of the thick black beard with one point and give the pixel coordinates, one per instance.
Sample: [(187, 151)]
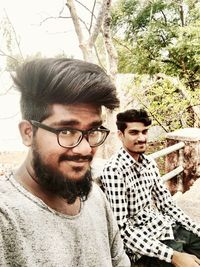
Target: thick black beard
[(56, 183)]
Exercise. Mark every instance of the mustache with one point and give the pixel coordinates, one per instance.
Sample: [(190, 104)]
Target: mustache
[(141, 143), (76, 158)]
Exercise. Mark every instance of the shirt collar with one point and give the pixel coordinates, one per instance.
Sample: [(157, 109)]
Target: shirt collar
[(129, 161)]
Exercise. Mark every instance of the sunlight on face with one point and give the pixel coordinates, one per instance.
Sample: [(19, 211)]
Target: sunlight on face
[(134, 138)]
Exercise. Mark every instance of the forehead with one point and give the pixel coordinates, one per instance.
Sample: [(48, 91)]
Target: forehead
[(136, 126), (76, 112)]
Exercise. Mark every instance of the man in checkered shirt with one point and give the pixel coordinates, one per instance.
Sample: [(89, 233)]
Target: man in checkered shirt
[(155, 231)]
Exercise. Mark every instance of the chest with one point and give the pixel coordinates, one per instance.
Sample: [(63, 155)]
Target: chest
[(139, 186)]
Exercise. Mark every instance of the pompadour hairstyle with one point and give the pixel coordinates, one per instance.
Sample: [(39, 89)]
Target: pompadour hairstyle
[(43, 82), (132, 115)]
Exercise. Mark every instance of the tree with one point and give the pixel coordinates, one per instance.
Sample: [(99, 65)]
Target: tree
[(90, 30), (161, 36), (10, 45), (101, 24)]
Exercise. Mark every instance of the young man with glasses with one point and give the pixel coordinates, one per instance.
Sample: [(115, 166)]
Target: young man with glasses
[(51, 214), (155, 231)]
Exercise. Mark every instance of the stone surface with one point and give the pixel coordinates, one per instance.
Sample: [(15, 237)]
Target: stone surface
[(186, 134), (190, 201), (188, 158)]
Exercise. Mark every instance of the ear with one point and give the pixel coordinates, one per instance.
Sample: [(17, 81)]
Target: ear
[(26, 131), (120, 134)]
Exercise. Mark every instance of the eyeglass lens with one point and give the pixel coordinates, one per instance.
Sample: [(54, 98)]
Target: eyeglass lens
[(69, 138)]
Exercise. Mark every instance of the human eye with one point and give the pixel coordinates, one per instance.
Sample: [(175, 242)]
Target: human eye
[(94, 132), (145, 131), (65, 132), (133, 132), (68, 132)]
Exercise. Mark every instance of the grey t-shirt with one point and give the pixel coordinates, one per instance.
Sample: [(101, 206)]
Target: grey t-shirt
[(32, 234)]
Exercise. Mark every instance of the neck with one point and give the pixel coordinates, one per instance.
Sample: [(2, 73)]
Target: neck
[(134, 155), (25, 176)]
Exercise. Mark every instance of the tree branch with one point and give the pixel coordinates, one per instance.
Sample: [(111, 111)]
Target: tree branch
[(2, 53), (16, 39), (92, 15), (120, 43), (97, 26), (111, 51), (58, 17), (79, 33), (5, 93), (9, 117)]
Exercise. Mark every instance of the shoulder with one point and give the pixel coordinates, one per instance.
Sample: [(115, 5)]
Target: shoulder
[(97, 194), (7, 199), (97, 198), (115, 163), (150, 161), (12, 198), (5, 186)]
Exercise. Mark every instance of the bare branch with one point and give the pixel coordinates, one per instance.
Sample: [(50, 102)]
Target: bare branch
[(75, 19), (16, 39), (111, 51), (84, 23), (58, 17), (79, 33), (9, 117), (98, 24), (91, 12), (92, 15), (97, 55), (182, 15), (2, 53), (120, 43), (153, 115), (84, 6), (171, 62), (164, 16), (5, 93), (61, 11)]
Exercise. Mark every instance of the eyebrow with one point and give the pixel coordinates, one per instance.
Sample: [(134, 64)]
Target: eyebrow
[(75, 123), (138, 131)]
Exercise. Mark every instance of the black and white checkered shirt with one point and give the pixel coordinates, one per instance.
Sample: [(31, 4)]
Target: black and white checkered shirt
[(142, 206)]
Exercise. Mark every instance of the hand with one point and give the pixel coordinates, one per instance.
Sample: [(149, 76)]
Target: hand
[(181, 259)]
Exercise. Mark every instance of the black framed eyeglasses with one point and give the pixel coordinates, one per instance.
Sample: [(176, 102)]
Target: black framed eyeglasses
[(71, 137)]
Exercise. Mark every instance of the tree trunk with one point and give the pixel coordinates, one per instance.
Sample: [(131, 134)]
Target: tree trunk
[(86, 45)]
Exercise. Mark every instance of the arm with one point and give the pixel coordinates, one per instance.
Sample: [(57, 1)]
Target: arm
[(134, 238), (183, 259)]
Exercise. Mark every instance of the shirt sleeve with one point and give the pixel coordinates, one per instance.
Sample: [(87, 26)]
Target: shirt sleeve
[(167, 205), (135, 240)]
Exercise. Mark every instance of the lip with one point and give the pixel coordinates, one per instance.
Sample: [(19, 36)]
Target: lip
[(141, 144), (78, 163)]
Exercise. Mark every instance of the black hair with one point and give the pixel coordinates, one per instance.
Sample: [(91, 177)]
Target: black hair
[(132, 115), (48, 81)]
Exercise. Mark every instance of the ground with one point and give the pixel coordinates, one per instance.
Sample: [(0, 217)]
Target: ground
[(190, 201)]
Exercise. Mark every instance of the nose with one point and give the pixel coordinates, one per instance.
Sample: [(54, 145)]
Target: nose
[(83, 148), (142, 137)]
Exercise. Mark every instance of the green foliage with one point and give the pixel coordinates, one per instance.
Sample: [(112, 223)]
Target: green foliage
[(167, 104), (167, 99), (184, 55), (161, 37)]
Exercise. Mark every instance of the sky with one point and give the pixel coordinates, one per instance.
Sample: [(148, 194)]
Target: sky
[(50, 37)]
